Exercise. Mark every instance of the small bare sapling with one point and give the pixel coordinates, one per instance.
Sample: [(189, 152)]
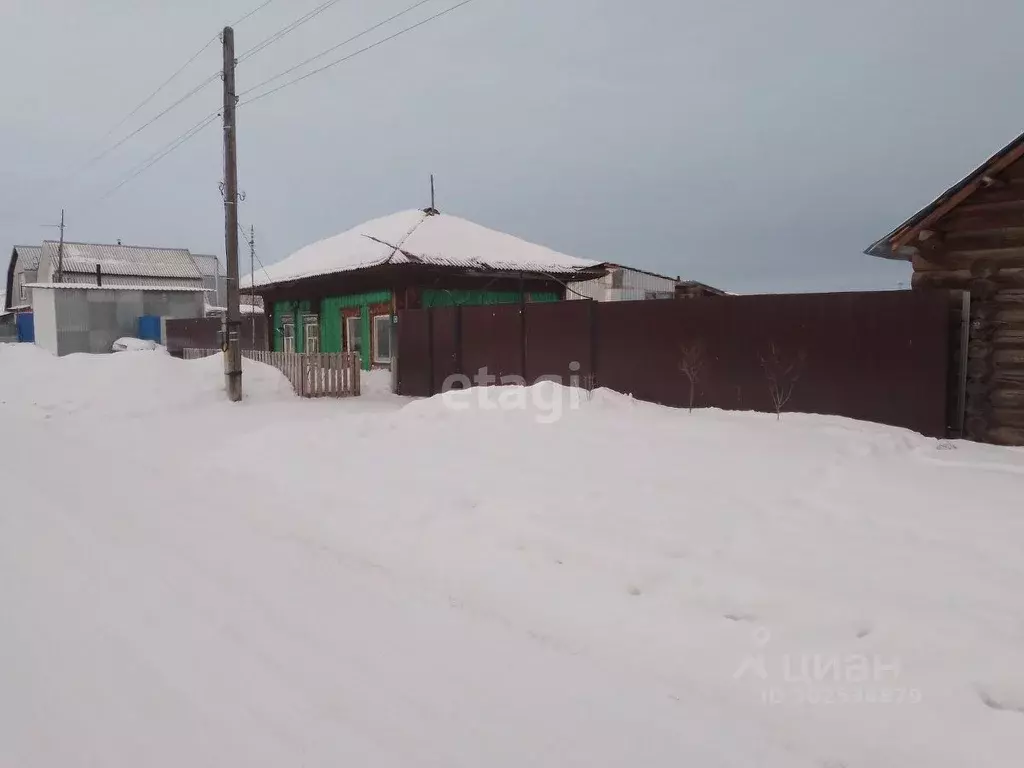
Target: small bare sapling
[(782, 373)]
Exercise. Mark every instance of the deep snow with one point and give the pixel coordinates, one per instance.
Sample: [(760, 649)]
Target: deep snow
[(463, 582)]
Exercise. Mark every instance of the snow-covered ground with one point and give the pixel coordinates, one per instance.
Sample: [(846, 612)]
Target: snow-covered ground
[(465, 582)]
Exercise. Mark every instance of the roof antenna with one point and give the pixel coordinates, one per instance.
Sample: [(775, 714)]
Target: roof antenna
[(432, 210)]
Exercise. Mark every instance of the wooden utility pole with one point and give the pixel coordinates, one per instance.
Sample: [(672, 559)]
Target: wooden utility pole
[(60, 250), (232, 323)]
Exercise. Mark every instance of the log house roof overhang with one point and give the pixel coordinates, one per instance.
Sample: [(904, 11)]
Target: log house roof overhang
[(899, 244)]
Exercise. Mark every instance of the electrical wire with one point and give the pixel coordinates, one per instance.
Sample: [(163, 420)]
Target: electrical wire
[(155, 158), (162, 86), (251, 13), (287, 30), (146, 125), (255, 255), (320, 55), (355, 53)]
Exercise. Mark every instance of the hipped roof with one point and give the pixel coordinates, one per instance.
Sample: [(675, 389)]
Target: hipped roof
[(418, 237)]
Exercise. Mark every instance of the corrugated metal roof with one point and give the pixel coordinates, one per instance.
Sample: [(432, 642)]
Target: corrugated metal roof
[(191, 288), (209, 266), (28, 255), (128, 260)]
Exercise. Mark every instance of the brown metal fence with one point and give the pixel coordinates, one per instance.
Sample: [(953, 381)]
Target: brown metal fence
[(204, 333), (311, 375), (880, 356)]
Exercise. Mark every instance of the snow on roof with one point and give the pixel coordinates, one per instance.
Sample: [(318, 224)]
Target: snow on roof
[(133, 260), (412, 237)]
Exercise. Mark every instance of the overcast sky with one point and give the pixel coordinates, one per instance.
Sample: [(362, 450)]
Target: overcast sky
[(757, 146)]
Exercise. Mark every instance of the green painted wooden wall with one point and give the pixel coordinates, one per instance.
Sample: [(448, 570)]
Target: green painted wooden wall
[(433, 297), (295, 310), (330, 320)]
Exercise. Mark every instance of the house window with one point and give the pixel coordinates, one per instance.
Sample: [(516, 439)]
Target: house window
[(382, 338), (353, 335), (288, 335), (21, 287), (311, 329)]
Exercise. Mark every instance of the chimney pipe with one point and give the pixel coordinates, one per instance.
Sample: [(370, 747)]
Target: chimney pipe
[(99, 276)]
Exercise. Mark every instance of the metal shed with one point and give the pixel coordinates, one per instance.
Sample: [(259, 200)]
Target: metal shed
[(77, 317)]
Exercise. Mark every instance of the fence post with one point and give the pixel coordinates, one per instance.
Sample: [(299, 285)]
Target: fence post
[(430, 351), (458, 338), (522, 333), (593, 344)]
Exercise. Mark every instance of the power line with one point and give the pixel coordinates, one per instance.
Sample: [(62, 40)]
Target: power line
[(253, 12), (287, 30), (163, 85), (160, 88), (146, 125), (356, 53), (320, 55), (164, 152), (256, 255)]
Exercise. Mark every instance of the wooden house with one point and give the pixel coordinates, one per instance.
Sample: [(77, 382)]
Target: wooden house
[(972, 239), (343, 293)]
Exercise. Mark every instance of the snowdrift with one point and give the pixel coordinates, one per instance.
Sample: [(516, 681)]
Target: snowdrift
[(136, 383), (468, 581)]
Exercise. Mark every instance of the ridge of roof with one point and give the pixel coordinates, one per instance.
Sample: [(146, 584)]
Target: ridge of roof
[(119, 245)]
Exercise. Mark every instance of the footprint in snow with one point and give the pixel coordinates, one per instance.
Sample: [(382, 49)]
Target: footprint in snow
[(741, 617), (1001, 703)]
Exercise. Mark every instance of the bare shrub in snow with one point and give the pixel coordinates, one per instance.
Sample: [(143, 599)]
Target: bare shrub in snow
[(782, 373), (692, 365)]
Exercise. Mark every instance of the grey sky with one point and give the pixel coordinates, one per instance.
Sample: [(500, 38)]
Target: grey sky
[(756, 146)]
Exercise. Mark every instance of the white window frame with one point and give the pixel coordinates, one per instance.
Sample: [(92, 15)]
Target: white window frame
[(377, 357), (311, 321), (358, 320), (288, 339)]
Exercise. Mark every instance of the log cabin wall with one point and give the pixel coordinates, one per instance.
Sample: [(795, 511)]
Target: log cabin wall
[(978, 246)]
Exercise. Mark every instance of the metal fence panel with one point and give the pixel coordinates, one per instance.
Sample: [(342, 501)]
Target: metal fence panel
[(492, 338), (414, 353), (880, 356), (204, 333), (445, 333), (559, 341)]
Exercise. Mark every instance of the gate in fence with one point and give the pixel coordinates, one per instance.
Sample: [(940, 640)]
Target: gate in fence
[(311, 375)]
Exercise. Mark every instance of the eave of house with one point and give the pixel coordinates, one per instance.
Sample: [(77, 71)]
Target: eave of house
[(898, 243)]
